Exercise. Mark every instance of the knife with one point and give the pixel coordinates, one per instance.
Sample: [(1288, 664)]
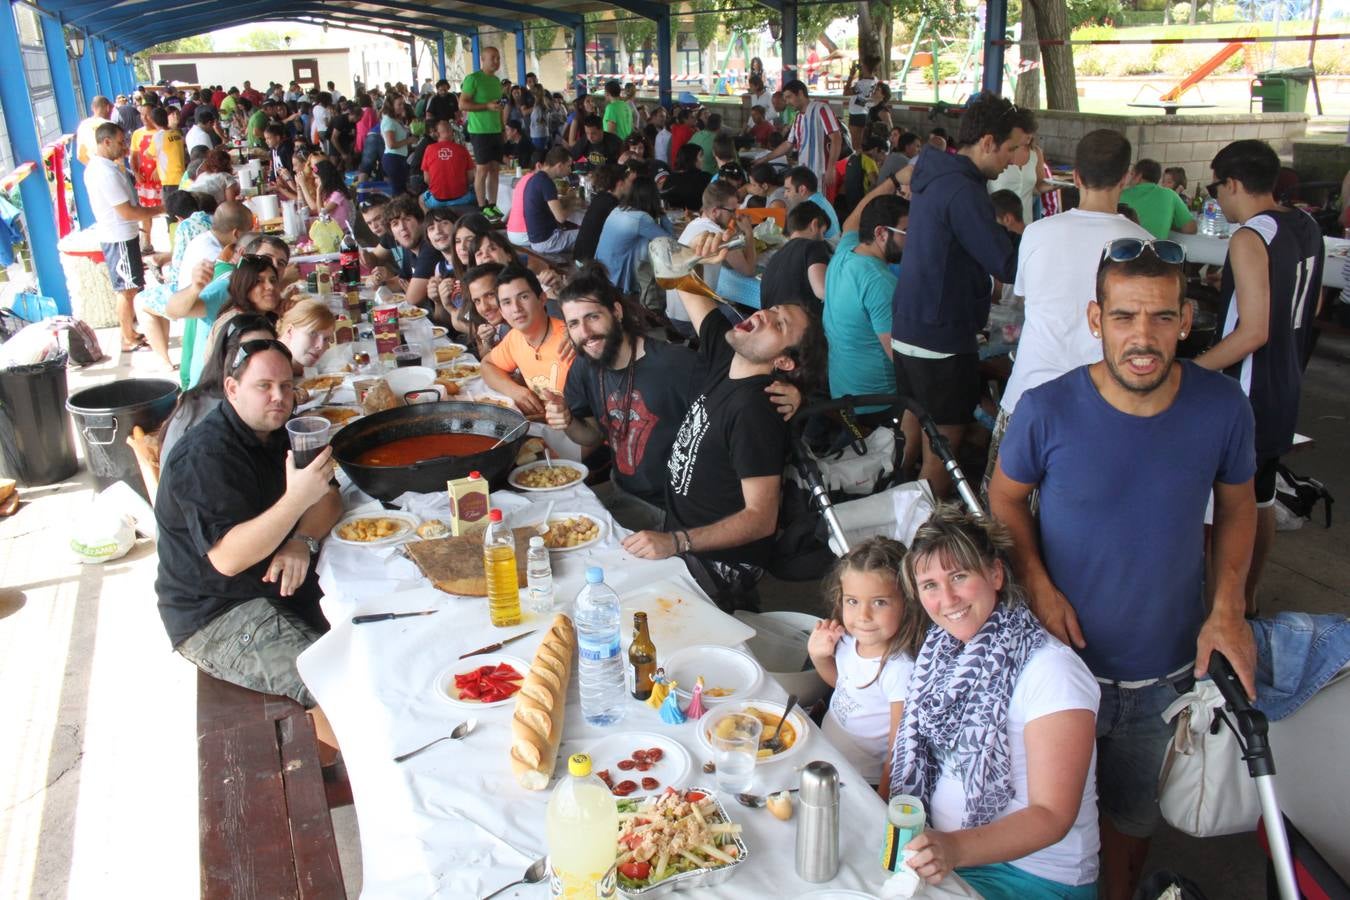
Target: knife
[(499, 645), (385, 617)]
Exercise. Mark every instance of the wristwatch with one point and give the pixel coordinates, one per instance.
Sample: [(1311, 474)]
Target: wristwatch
[(312, 544)]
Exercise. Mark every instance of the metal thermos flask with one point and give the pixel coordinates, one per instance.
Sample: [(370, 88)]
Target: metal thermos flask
[(818, 824)]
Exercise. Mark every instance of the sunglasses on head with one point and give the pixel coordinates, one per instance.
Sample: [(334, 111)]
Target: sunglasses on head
[(248, 348), (250, 322), (1126, 249)]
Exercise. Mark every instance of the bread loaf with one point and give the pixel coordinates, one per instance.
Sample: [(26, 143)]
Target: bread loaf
[(536, 725)]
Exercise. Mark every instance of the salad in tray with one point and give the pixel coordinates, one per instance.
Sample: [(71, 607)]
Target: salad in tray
[(672, 833)]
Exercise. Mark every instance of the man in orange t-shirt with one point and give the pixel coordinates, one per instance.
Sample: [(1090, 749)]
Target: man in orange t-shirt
[(536, 346)]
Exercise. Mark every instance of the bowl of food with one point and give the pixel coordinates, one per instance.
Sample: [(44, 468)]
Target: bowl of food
[(548, 475), (795, 729)]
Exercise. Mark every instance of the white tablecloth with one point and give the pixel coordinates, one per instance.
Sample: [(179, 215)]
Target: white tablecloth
[(452, 822), (1201, 248)]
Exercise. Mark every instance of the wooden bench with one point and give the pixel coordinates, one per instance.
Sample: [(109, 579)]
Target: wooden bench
[(265, 828)]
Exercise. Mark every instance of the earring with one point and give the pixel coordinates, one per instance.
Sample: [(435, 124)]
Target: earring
[(1096, 334), (1183, 335)]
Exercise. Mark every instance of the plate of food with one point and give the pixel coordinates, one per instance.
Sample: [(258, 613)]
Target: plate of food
[(439, 332), (411, 312), (566, 532), (324, 382), (456, 372), (488, 679), (373, 529), (680, 839), (547, 475), (728, 675), (795, 734), (338, 415), (639, 762), (449, 353)]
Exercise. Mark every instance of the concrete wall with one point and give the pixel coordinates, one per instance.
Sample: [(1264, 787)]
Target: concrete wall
[(262, 66)]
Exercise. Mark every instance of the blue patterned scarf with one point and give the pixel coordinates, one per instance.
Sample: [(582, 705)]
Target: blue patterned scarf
[(959, 697)]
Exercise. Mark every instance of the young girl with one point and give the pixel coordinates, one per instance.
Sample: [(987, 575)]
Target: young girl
[(865, 651)]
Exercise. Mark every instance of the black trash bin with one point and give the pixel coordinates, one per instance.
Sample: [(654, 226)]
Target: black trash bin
[(35, 443), (104, 417)]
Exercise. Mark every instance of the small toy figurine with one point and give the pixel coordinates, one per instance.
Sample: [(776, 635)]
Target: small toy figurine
[(696, 710), (671, 713), (659, 689)]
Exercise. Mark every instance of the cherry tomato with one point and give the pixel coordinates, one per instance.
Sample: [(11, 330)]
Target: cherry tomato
[(626, 764), (637, 871), (650, 784)]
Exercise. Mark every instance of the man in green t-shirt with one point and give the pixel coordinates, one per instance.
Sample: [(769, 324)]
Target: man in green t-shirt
[(257, 121), (1159, 209), (618, 114), (480, 97), (704, 138)]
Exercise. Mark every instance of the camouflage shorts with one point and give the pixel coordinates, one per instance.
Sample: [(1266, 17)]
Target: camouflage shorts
[(254, 645)]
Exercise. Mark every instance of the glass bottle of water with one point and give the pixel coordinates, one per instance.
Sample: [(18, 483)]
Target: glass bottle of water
[(539, 574), (601, 666)]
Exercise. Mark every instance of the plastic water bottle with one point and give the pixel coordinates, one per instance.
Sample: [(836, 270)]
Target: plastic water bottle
[(1209, 219), (539, 575), (601, 664)]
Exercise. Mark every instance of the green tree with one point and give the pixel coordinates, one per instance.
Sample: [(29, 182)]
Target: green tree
[(706, 21), (198, 43), (635, 33), (543, 35), (262, 39)]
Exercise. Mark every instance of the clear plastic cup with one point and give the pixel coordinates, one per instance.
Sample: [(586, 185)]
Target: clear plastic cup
[(309, 435), (735, 741)]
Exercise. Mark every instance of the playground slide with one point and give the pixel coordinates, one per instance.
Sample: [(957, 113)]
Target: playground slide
[(1204, 71)]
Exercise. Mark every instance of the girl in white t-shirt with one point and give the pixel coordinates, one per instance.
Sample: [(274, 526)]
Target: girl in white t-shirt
[(865, 651), (998, 737)]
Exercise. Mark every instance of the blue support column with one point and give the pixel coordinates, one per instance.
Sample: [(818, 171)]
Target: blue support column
[(440, 55), (579, 58), (664, 58), (520, 53), (100, 51), (54, 40), (38, 213), (789, 41), (995, 29), (475, 51)]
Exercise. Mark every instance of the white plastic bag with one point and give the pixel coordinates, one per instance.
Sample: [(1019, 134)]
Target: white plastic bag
[(108, 530)]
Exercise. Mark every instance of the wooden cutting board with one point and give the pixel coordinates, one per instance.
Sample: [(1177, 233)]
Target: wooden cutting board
[(455, 564)]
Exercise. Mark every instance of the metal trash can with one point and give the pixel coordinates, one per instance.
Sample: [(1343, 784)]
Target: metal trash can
[(104, 417), (1282, 90), (35, 443)]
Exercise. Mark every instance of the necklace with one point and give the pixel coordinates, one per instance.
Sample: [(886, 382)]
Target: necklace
[(618, 433), (538, 347)]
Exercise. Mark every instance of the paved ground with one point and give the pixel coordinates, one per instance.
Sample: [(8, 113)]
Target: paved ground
[(98, 713)]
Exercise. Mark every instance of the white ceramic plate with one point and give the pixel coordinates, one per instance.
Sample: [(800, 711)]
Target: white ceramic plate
[(445, 682), (797, 720), (599, 533), (408, 522), (458, 379), (450, 358), (513, 478), (721, 667), (438, 332), (671, 770), (338, 407), (318, 385)]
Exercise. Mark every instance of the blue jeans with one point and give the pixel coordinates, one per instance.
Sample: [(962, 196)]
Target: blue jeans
[(1296, 655), (1131, 742), (395, 172)]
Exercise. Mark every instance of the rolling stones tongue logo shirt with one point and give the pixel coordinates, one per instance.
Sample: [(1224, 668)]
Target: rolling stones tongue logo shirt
[(731, 432), (639, 409)]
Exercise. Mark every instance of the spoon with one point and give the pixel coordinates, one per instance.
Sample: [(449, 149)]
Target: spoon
[(775, 743), (510, 434), (536, 873), (461, 730), (758, 801)]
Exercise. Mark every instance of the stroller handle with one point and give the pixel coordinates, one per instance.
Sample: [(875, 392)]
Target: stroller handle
[(1228, 683)]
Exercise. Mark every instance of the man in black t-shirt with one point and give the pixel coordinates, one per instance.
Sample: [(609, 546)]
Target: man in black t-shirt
[(239, 526), (608, 185), (796, 273), (626, 390), (598, 146), (726, 464), (441, 106)]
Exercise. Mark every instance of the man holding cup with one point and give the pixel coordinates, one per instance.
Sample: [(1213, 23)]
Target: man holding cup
[(239, 525)]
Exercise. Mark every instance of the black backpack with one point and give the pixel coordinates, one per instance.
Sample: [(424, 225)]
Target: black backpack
[(1299, 494)]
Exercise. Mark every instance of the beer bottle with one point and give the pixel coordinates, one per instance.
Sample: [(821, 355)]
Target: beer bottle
[(642, 657)]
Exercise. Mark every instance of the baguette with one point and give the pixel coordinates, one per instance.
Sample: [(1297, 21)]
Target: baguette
[(536, 724)]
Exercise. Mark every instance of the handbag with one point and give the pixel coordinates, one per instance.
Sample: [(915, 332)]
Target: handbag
[(1203, 785)]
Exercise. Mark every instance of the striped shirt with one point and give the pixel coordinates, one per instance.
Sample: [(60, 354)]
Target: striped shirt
[(811, 133)]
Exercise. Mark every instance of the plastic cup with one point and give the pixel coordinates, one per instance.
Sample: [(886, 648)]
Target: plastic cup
[(309, 435), (735, 741)]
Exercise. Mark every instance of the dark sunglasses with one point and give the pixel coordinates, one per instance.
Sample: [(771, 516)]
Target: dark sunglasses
[(248, 348), (1213, 189), (250, 322), (262, 260), (1125, 249)]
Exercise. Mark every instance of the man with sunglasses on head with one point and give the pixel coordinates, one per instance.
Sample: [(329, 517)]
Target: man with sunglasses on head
[(239, 527), (955, 246), (1272, 280), (1125, 453)]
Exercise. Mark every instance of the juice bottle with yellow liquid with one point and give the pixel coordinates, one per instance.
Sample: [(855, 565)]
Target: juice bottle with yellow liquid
[(582, 820), (499, 564)]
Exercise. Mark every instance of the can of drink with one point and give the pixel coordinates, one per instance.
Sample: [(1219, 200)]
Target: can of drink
[(905, 819)]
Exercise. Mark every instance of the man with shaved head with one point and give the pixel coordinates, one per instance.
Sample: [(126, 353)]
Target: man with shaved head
[(480, 97)]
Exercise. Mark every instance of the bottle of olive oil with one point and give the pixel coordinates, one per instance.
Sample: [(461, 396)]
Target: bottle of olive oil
[(499, 565)]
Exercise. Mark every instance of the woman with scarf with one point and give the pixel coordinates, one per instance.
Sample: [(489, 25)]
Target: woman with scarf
[(998, 734)]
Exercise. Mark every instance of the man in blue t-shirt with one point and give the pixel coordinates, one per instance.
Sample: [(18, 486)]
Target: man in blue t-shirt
[(545, 215), (801, 186), (1125, 453), (859, 284)]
